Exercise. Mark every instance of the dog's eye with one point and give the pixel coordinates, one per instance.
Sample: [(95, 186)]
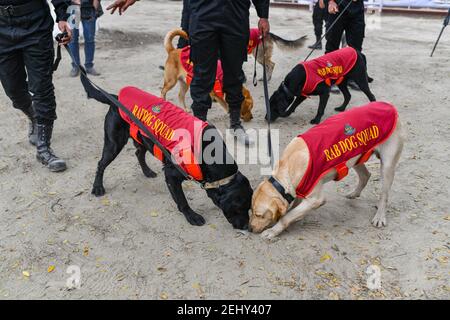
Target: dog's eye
[(259, 214)]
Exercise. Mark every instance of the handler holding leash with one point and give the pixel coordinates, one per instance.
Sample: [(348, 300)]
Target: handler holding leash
[(352, 22), (219, 26), (26, 50)]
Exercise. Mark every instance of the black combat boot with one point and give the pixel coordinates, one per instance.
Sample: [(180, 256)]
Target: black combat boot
[(317, 45), (237, 130), (32, 126), (44, 153)]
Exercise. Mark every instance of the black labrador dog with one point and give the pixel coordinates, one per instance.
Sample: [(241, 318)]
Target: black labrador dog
[(233, 197), (288, 96)]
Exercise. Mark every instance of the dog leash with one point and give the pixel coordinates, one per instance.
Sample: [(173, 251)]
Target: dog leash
[(331, 26), (113, 100), (267, 102), (266, 97), (446, 21)]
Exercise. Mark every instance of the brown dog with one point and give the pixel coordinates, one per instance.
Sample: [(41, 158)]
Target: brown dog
[(290, 193), (174, 72)]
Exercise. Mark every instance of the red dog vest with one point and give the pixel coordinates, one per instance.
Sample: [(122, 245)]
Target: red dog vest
[(178, 131), (342, 137), (254, 41), (188, 66), (331, 67)]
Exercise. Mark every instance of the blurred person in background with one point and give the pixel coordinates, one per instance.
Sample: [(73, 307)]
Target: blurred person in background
[(89, 11)]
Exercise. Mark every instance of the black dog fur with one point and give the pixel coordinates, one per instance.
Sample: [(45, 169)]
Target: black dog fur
[(234, 198), (289, 92)]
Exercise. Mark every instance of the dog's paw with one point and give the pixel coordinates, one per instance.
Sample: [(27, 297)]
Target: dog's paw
[(268, 234), (315, 121), (149, 173), (379, 220), (340, 109), (98, 191), (195, 219)]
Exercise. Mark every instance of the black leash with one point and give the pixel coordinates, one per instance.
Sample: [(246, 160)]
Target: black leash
[(266, 96), (255, 82), (119, 105), (267, 102), (330, 27), (446, 21)]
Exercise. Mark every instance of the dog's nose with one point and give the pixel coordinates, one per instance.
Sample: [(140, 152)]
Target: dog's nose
[(250, 228)]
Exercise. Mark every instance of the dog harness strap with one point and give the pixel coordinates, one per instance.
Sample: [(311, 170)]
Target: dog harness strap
[(341, 171), (351, 134), (157, 152), (134, 133), (339, 81), (191, 165), (281, 190), (330, 68), (366, 156)]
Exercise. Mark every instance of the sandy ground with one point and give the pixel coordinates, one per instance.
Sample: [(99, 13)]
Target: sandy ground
[(133, 243)]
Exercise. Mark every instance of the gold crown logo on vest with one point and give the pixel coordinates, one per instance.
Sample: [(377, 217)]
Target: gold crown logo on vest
[(349, 130)]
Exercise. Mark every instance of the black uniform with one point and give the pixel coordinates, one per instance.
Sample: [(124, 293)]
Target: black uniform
[(220, 26), (26, 67), (26, 48), (352, 22)]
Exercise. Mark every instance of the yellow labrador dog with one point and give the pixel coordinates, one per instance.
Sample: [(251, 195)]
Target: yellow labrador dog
[(325, 153)]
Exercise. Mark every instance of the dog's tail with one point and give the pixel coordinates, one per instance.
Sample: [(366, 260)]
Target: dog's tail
[(169, 38), (288, 44), (92, 92)]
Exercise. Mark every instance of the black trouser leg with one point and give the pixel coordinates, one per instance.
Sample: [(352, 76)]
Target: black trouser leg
[(204, 55), (13, 78), (185, 16), (355, 30), (334, 34), (38, 60), (318, 19), (233, 54)]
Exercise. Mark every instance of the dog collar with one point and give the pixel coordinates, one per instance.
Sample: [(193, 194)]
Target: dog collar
[(281, 190), (218, 183)]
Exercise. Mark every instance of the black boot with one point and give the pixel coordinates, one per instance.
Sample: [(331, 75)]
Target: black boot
[(44, 153), (237, 130), (317, 45), (32, 126)]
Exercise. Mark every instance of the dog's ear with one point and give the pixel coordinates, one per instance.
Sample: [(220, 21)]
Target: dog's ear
[(279, 208)]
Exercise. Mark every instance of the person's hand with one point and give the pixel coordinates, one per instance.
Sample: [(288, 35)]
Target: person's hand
[(64, 27), (321, 4), (122, 5), (333, 7), (264, 27)]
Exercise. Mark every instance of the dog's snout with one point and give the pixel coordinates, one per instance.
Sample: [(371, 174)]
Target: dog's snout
[(250, 229)]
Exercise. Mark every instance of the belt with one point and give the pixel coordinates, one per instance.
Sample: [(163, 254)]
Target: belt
[(21, 10)]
